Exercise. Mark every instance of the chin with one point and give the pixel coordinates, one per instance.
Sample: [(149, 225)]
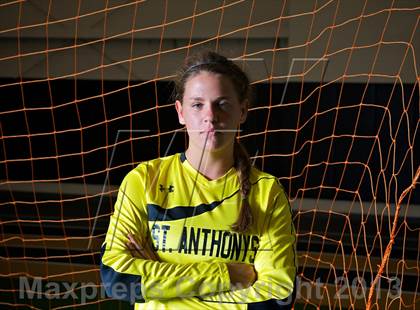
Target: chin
[(214, 146)]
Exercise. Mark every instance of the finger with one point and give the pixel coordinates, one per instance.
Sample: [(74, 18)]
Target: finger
[(132, 246), (135, 243), (135, 238), (148, 254), (153, 252), (134, 252), (140, 249), (145, 249)]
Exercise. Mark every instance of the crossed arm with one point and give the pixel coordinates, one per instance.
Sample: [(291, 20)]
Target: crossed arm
[(241, 275), (128, 258)]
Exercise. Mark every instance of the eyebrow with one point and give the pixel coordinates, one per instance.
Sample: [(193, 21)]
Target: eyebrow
[(195, 98), (217, 99)]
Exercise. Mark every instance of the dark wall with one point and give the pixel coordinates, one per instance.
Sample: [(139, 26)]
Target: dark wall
[(85, 121)]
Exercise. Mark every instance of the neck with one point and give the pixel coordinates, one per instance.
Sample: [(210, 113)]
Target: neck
[(214, 164)]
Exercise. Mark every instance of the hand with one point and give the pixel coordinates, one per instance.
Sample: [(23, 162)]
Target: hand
[(141, 249), (241, 275)]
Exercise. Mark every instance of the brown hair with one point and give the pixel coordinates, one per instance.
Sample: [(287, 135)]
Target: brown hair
[(216, 63)]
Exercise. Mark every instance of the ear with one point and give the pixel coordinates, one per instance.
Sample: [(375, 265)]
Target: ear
[(244, 111), (178, 107)]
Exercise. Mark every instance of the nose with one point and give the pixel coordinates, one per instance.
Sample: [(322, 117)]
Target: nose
[(211, 115)]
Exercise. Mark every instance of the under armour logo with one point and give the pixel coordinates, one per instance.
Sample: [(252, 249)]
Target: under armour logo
[(170, 189)]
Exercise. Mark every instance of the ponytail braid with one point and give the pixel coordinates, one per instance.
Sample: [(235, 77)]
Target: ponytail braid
[(243, 167)]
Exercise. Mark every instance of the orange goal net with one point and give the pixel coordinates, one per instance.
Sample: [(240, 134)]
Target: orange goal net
[(86, 94)]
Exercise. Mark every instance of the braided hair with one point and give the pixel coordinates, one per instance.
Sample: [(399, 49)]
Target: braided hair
[(216, 63)]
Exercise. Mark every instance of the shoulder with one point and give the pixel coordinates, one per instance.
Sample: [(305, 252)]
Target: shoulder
[(261, 178), (157, 164), (267, 188), (147, 170)]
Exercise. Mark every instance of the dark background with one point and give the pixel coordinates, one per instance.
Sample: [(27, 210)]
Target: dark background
[(91, 125), (82, 119)]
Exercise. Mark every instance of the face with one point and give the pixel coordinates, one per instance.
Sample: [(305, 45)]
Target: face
[(211, 111)]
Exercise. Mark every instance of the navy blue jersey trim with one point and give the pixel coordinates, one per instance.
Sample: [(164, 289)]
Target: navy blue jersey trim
[(118, 285), (182, 157), (280, 304), (264, 178), (157, 213)]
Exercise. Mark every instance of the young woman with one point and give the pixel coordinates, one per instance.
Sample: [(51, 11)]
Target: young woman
[(202, 229)]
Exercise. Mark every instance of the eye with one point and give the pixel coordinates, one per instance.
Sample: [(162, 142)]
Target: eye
[(197, 105), (223, 104)]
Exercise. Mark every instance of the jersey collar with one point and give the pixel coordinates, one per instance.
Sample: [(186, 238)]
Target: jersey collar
[(231, 173)]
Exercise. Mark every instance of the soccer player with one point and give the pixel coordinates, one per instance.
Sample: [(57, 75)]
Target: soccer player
[(203, 229)]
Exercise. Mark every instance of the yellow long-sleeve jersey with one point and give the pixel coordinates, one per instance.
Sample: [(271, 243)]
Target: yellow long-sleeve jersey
[(188, 219)]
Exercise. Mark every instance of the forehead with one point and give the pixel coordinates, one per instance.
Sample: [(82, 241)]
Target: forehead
[(209, 84)]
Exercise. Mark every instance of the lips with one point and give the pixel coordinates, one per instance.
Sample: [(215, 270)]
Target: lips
[(210, 131)]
